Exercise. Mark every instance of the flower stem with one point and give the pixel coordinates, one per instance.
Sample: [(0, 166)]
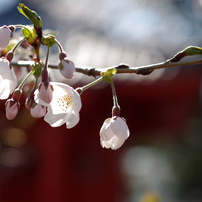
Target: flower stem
[(19, 88), (19, 26), (59, 46), (116, 108), (16, 45), (45, 70), (115, 99), (81, 89), (47, 55)]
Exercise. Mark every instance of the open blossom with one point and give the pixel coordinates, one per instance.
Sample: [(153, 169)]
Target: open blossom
[(5, 36), (67, 68), (113, 133), (8, 80), (64, 107)]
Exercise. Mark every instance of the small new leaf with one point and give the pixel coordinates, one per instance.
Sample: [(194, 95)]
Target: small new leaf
[(193, 50), (48, 40), (108, 75), (37, 69), (29, 33), (31, 15)]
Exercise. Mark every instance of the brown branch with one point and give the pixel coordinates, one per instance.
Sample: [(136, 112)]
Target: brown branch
[(121, 68)]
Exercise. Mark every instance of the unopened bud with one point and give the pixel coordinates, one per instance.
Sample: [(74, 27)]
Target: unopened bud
[(45, 91), (37, 111), (67, 68), (12, 108)]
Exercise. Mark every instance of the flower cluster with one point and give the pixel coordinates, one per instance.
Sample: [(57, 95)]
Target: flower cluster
[(57, 102)]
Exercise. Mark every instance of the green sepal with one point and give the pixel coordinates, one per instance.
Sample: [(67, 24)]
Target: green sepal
[(31, 15), (48, 40), (108, 75), (29, 33), (60, 66), (37, 69)]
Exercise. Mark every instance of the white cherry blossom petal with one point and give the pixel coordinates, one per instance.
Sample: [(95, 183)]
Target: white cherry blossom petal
[(73, 120), (54, 120), (8, 80), (120, 128)]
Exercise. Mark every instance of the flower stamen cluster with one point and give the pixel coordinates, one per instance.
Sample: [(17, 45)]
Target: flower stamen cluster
[(65, 101)]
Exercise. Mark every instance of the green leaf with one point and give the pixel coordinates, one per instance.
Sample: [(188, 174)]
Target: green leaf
[(108, 75), (37, 69), (29, 33), (31, 15)]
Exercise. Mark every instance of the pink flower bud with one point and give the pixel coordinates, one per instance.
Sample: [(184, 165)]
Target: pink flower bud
[(5, 36), (67, 68), (45, 92), (38, 111), (12, 108)]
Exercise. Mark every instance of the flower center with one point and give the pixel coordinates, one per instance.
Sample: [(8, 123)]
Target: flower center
[(65, 101)]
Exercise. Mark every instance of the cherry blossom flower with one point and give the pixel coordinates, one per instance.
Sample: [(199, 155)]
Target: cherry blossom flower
[(5, 36), (114, 132), (67, 68), (8, 80), (12, 108), (64, 107)]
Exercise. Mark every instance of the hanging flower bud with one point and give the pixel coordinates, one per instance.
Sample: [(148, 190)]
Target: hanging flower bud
[(12, 107), (5, 36), (114, 132), (45, 92), (29, 102), (67, 68), (38, 111)]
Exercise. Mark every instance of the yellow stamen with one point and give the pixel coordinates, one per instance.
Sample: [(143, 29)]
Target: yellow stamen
[(65, 101)]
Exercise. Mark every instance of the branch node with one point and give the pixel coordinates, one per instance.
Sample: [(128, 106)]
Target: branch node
[(91, 72), (145, 71), (122, 66)]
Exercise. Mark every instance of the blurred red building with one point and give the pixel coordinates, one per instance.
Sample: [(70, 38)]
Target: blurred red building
[(56, 164)]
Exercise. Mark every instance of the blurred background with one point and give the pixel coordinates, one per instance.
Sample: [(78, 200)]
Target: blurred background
[(161, 161)]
